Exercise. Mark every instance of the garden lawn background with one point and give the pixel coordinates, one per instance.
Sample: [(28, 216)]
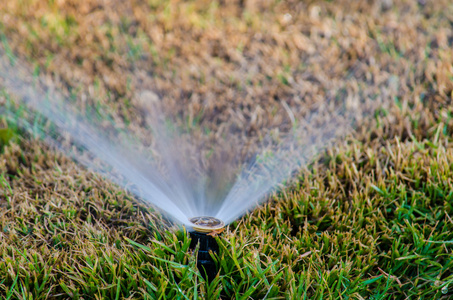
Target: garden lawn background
[(370, 218)]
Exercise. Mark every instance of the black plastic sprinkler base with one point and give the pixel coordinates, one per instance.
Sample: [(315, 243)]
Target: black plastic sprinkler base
[(202, 227), (205, 263)]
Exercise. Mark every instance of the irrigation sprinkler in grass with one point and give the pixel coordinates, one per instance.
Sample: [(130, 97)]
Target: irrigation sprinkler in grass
[(202, 234), (162, 175)]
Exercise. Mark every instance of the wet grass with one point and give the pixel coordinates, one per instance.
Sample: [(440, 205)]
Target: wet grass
[(349, 229), (370, 218)]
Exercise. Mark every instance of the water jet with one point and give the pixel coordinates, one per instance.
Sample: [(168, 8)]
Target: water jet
[(203, 231)]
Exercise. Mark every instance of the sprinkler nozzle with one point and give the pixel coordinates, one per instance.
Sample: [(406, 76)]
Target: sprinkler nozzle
[(203, 227), (206, 224)]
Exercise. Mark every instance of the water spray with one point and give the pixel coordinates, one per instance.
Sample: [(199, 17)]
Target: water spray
[(164, 180), (203, 232)]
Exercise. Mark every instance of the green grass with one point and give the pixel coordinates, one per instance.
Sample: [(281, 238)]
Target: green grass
[(349, 230)]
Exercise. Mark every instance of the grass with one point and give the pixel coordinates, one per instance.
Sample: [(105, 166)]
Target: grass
[(389, 235), (370, 218)]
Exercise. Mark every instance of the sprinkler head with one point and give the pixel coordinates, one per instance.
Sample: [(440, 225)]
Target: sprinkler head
[(206, 224), (204, 229)]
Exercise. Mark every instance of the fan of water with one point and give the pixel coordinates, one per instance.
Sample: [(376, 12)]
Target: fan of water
[(184, 174)]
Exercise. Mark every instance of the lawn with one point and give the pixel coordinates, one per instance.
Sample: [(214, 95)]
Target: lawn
[(370, 217)]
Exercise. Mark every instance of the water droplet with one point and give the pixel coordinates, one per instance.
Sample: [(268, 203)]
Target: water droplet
[(287, 18), (444, 290)]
